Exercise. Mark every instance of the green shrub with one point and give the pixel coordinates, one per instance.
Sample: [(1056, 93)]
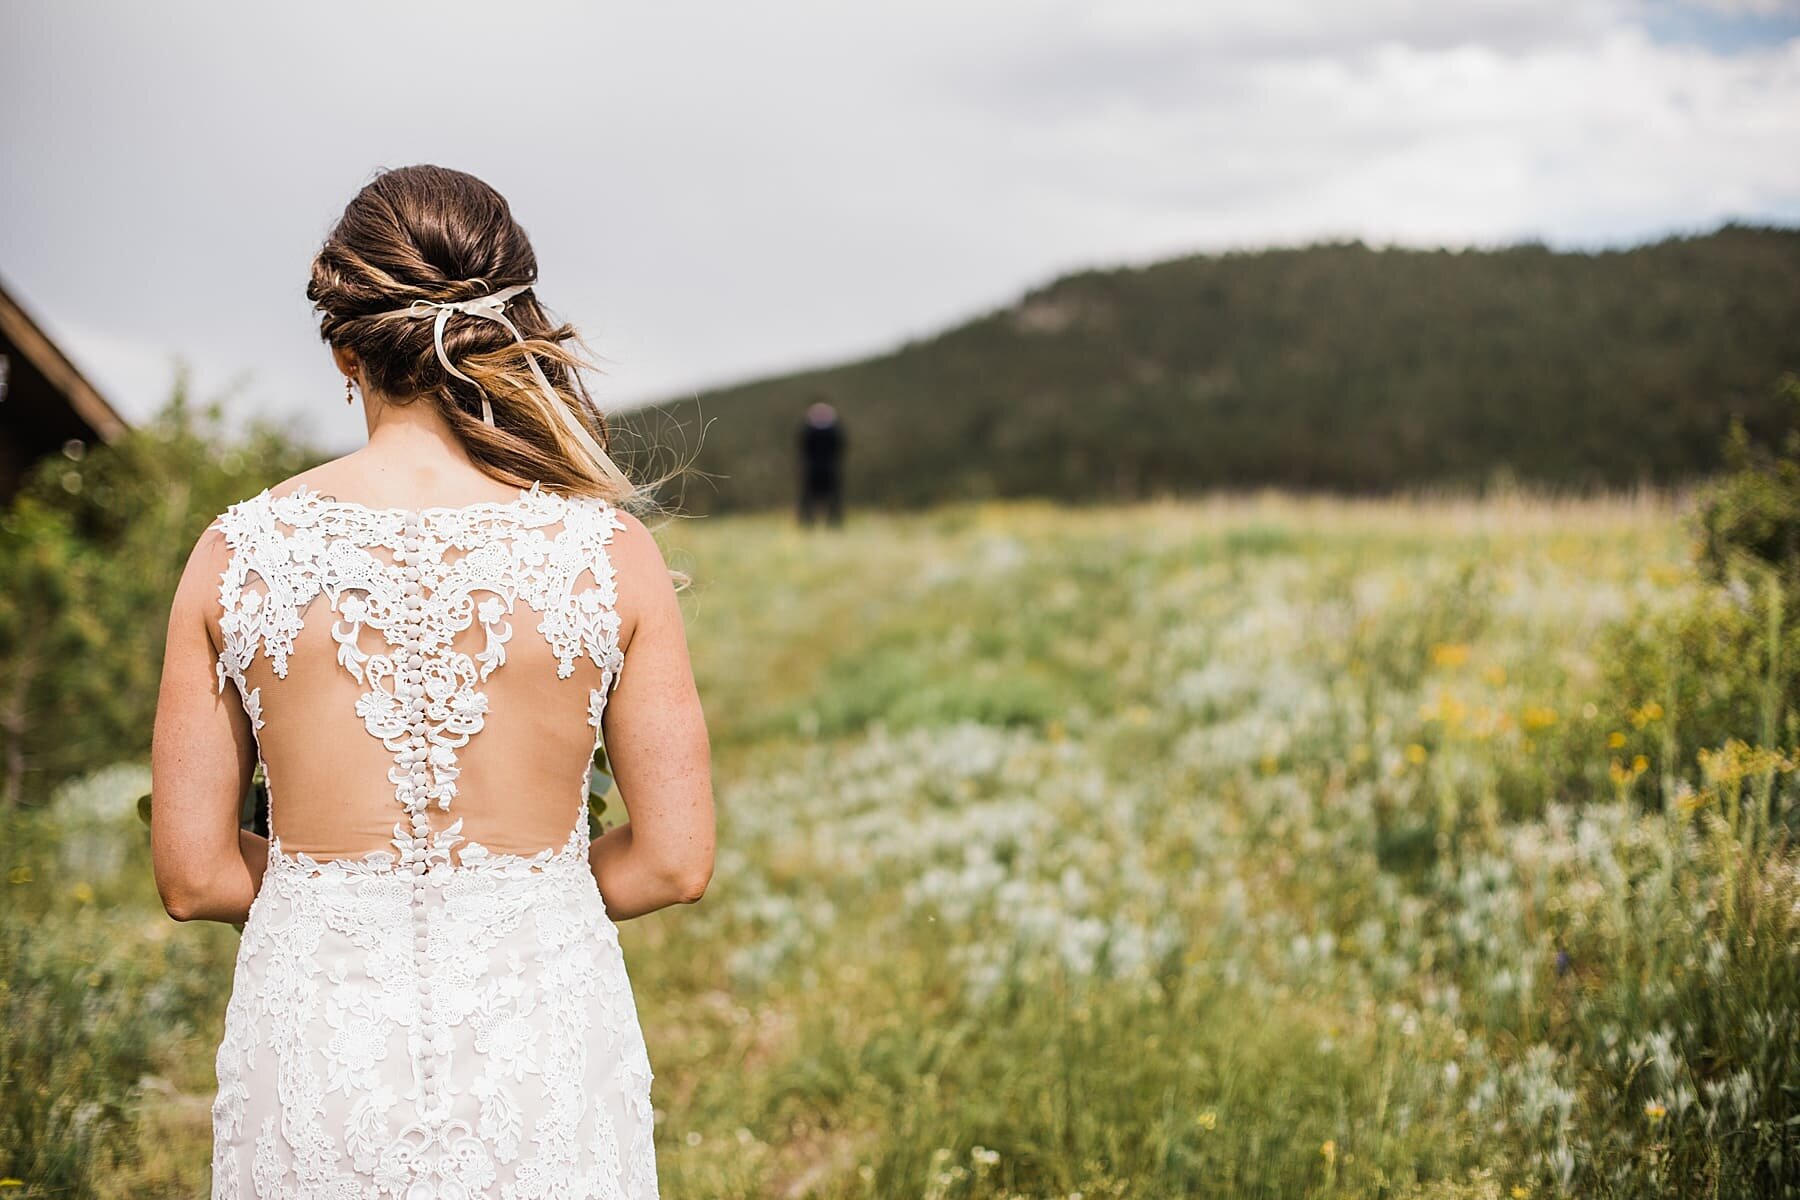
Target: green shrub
[(1724, 663), (91, 549), (1752, 516)]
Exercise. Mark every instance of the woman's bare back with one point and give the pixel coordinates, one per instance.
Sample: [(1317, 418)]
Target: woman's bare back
[(438, 664)]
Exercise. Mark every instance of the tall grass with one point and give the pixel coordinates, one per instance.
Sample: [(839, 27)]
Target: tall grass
[(1252, 847)]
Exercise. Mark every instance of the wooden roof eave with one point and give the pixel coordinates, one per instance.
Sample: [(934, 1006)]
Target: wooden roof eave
[(88, 403)]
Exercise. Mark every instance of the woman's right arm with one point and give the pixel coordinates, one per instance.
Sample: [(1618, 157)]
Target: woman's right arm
[(202, 753), (656, 743)]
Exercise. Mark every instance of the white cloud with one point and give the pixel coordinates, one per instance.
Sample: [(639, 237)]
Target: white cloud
[(1749, 8), (719, 192)]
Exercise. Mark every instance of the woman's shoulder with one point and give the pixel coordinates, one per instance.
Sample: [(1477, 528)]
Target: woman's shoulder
[(314, 479), (644, 583), (334, 475), (326, 478), (630, 544)]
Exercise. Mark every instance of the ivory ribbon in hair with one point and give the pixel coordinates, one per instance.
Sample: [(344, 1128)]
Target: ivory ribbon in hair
[(491, 308)]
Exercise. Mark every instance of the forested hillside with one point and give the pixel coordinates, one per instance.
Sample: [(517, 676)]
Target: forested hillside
[(1335, 366)]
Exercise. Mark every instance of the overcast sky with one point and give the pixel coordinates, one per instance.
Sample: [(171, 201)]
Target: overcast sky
[(719, 191)]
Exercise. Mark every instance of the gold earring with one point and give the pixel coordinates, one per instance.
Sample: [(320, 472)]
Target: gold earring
[(349, 397)]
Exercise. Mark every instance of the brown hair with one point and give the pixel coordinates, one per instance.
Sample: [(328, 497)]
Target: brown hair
[(430, 233)]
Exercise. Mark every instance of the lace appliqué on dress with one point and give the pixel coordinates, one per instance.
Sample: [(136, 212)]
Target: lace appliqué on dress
[(423, 699), (404, 1025)]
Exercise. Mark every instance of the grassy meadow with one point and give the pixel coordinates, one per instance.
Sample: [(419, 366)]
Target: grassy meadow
[(1256, 846)]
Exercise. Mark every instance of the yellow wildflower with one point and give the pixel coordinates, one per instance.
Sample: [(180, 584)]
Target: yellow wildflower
[(1655, 1111), (1615, 740), (1207, 1120), (82, 893), (1537, 717), (1624, 776), (1739, 761), (1449, 654), (1415, 754), (1693, 802), (1329, 1152)]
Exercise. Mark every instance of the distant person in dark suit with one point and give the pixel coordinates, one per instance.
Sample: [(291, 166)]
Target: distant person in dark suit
[(822, 443)]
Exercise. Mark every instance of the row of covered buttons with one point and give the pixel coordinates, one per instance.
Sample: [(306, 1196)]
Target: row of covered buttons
[(410, 688), (433, 1043), (432, 1046)]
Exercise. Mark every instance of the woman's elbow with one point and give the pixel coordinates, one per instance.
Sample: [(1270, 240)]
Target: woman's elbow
[(686, 865), (691, 883), (687, 870), (186, 894), (180, 901)]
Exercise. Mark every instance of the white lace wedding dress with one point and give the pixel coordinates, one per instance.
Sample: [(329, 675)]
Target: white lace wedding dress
[(436, 1008)]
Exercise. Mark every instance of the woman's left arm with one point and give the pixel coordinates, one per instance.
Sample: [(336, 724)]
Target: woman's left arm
[(201, 759)]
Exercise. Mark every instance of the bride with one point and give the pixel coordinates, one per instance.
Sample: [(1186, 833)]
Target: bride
[(422, 644)]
